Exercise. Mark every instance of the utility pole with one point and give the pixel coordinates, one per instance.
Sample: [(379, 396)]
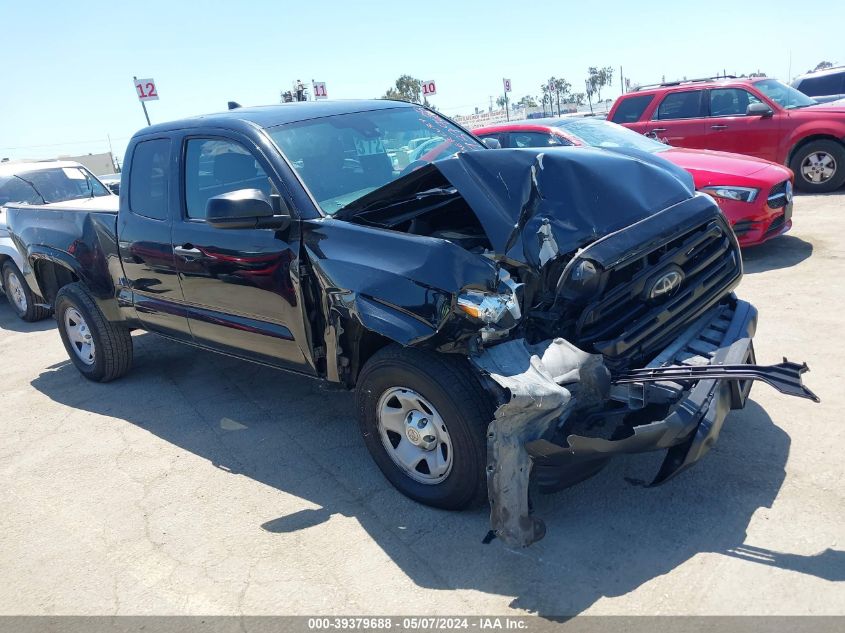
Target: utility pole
[(621, 81), (589, 99)]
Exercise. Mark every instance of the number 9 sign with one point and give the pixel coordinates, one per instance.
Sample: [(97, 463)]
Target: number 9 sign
[(146, 89), (429, 88)]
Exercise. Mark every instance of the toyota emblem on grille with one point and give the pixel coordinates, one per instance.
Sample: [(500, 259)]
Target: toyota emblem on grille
[(666, 284)]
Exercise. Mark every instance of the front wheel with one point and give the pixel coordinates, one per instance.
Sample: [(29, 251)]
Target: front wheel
[(819, 166), (423, 417), (100, 349), (21, 298)]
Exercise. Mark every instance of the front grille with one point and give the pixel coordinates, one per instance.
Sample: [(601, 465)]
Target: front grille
[(626, 327), (777, 196)]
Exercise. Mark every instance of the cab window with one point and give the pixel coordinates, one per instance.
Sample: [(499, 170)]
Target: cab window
[(148, 179), (681, 105), (216, 166)]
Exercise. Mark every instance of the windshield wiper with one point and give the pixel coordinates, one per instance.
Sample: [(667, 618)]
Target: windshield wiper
[(90, 184), (31, 184)]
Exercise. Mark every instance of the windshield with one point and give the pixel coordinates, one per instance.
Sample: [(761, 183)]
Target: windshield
[(57, 184), (784, 95), (342, 158), (597, 133)]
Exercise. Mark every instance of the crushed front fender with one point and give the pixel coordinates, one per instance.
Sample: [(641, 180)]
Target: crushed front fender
[(534, 401)]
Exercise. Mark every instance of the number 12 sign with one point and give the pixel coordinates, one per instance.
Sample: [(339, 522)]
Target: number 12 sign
[(146, 89)]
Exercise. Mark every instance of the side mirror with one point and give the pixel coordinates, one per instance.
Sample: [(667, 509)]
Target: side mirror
[(758, 109), (243, 209), (492, 143)]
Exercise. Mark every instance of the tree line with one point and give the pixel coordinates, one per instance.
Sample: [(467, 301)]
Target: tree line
[(553, 93)]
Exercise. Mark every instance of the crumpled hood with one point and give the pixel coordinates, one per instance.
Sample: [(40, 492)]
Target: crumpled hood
[(584, 193)]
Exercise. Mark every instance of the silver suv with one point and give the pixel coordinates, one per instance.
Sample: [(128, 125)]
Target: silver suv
[(823, 85)]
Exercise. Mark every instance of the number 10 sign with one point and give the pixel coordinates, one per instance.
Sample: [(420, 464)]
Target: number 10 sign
[(146, 89)]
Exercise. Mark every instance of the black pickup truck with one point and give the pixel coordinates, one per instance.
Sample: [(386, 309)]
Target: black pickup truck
[(505, 317)]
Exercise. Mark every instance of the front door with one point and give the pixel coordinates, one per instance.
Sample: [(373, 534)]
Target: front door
[(144, 234), (679, 120), (729, 129), (241, 286)]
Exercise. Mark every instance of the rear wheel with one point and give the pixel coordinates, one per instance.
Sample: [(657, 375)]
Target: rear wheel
[(100, 349), (23, 301), (819, 166), (424, 417)]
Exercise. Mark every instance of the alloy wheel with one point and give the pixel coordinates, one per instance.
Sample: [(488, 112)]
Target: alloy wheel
[(80, 337), (414, 435), (818, 167), (16, 292)]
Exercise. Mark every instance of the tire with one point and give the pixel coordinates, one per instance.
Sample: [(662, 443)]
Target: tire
[(21, 298), (805, 159), (111, 354), (449, 387)]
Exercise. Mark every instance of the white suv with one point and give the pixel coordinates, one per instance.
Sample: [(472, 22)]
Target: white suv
[(823, 85), (36, 183)]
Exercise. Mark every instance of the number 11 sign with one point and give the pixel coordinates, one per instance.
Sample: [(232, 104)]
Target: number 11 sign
[(146, 89)]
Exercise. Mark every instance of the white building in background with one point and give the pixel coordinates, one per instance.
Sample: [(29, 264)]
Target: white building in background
[(98, 164)]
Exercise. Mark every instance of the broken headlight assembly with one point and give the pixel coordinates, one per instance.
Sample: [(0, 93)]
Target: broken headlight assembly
[(497, 311), (581, 281)]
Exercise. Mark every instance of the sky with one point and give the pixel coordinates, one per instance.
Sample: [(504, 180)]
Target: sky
[(67, 66)]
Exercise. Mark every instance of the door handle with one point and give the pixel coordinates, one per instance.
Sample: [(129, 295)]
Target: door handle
[(718, 127), (658, 129), (187, 252)]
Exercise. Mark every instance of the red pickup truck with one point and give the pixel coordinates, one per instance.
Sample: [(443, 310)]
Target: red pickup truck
[(759, 117)]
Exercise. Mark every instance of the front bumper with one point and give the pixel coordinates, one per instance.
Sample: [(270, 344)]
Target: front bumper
[(692, 426), (765, 224)]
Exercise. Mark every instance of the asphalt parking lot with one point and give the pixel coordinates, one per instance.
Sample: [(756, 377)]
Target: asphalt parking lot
[(204, 485)]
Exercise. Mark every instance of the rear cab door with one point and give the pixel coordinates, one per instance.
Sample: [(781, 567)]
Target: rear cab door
[(240, 286), (679, 118), (144, 227)]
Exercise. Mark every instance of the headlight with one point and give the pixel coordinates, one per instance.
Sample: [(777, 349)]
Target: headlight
[(488, 308), (741, 194), (491, 307)]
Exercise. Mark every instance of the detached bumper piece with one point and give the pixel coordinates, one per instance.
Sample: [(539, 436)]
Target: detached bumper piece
[(785, 376), (565, 416)]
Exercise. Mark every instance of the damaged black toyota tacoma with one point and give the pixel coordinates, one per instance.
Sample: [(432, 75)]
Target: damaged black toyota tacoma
[(508, 319)]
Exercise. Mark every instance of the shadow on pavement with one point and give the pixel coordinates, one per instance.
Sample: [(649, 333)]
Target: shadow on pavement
[(605, 537), (781, 252), (10, 321)]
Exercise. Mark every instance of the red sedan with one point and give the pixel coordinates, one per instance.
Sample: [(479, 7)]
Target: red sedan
[(754, 194)]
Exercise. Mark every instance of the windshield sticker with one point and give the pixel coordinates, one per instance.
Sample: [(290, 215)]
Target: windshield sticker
[(369, 147), (73, 173)]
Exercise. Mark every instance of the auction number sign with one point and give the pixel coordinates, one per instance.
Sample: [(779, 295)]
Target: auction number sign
[(429, 89), (146, 89), (507, 83), (320, 90)]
